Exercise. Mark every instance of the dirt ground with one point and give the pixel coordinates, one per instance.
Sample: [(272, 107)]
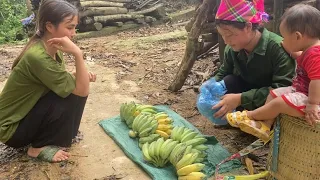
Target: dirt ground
[(130, 66)]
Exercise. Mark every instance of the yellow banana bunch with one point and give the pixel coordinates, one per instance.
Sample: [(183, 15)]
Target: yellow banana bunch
[(163, 134), (196, 167), (193, 176)]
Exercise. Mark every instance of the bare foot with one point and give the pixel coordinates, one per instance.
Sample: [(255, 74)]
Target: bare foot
[(59, 156)]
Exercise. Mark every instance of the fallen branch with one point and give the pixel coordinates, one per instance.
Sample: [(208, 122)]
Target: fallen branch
[(96, 11), (100, 4), (149, 10), (117, 17), (105, 31), (91, 27)]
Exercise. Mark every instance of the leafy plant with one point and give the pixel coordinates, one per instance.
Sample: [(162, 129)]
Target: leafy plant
[(11, 13)]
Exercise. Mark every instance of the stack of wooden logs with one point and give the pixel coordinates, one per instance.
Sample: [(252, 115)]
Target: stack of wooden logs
[(96, 14)]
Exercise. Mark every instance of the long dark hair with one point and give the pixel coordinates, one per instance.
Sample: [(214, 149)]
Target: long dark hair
[(53, 11)]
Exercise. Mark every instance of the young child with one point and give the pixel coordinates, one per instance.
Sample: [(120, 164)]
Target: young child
[(41, 103), (300, 28)]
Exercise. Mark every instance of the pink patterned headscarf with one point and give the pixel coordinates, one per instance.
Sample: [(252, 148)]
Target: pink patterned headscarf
[(242, 11)]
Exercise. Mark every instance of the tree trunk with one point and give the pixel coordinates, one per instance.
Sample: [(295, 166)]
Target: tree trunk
[(278, 11), (193, 47), (29, 7), (97, 11), (105, 31), (117, 17), (87, 20), (100, 4), (91, 27), (318, 4)]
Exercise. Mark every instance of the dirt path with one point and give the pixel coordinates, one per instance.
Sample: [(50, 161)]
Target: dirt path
[(135, 65)]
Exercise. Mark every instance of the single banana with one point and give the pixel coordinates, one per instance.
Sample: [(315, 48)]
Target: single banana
[(136, 121), (141, 122), (164, 127), (168, 131), (148, 110), (159, 143), (174, 152), (201, 147), (164, 147), (199, 160), (197, 167), (179, 133), (165, 121), (196, 151), (154, 126), (152, 150), (188, 150), (179, 154), (196, 141), (162, 133), (141, 107), (149, 139), (146, 132), (189, 136), (174, 132), (202, 155), (145, 152), (129, 114), (160, 115), (130, 121), (132, 134), (186, 160), (193, 176), (168, 149), (186, 131), (144, 125)]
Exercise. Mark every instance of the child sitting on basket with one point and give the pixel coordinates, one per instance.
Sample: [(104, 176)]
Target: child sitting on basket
[(300, 28)]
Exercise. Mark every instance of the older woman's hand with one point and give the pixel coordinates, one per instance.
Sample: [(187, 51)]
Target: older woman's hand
[(227, 104)]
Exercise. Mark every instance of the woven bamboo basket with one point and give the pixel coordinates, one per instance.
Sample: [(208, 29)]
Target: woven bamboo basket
[(298, 151)]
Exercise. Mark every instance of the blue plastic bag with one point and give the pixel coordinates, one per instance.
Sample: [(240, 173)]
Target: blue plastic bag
[(211, 92)]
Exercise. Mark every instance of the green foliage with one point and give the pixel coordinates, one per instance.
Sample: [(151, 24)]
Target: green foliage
[(11, 13)]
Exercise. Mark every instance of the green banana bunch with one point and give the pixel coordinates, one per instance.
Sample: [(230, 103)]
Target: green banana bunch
[(177, 153), (127, 113), (186, 160), (145, 109), (166, 150), (158, 152), (149, 139), (143, 125)]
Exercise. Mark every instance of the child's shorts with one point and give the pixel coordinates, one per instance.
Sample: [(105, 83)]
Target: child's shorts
[(297, 100)]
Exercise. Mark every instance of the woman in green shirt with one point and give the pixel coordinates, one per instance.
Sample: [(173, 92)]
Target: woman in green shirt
[(41, 103), (254, 62)]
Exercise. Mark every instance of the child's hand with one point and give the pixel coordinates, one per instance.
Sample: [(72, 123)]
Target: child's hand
[(92, 77), (312, 113)]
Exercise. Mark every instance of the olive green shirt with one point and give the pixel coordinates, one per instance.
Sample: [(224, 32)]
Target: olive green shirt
[(35, 75), (267, 66)]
